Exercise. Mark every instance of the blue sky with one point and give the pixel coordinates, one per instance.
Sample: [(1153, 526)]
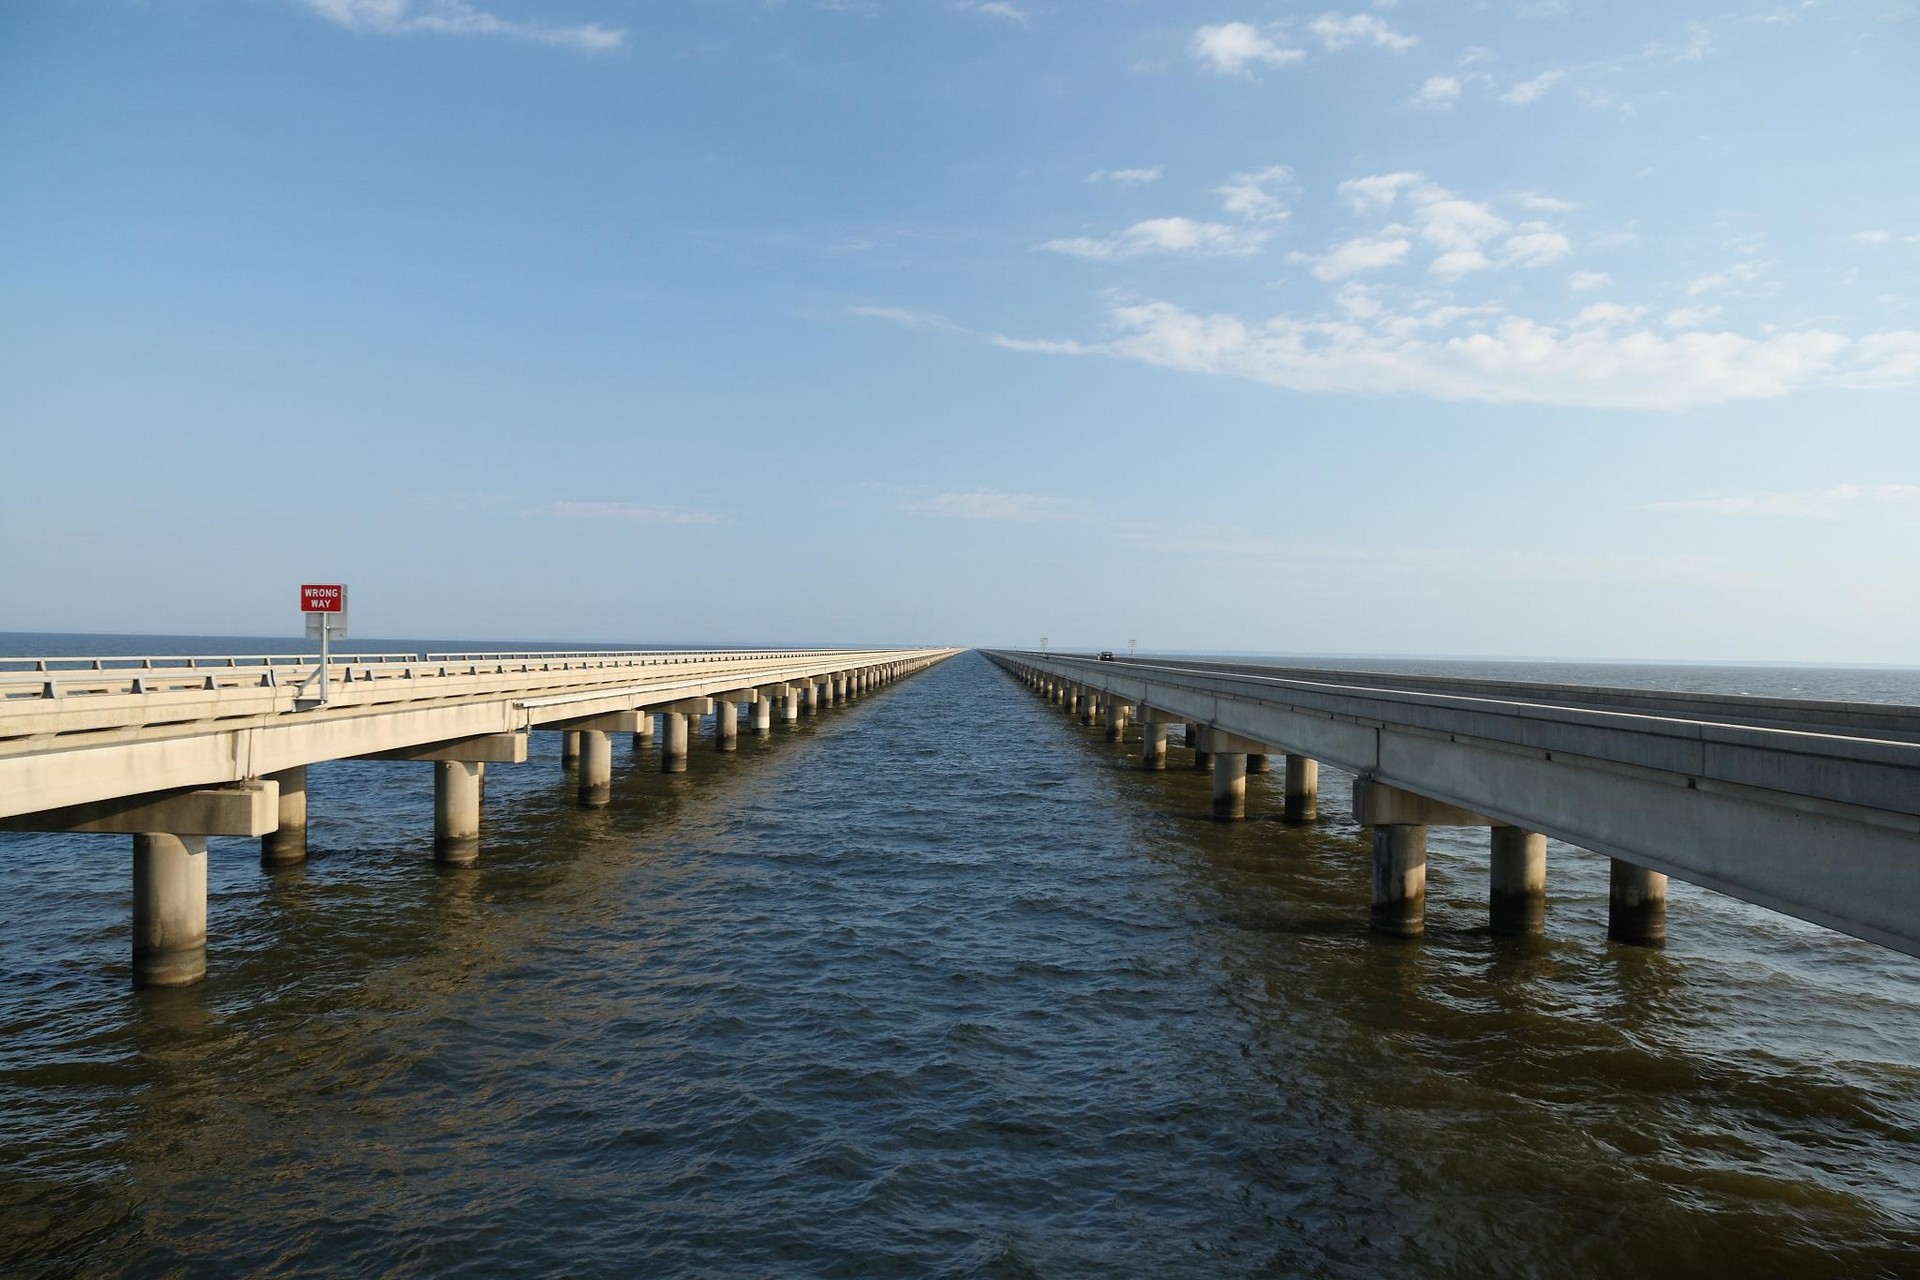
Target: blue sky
[(1537, 328)]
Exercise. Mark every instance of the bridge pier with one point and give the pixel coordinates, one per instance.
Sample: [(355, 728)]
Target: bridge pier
[(790, 705), (1229, 786), (286, 845), (1198, 737), (1257, 762), (1153, 743), (1116, 721), (596, 768), (169, 909), (673, 742), (456, 812), (643, 736), (763, 716), (1636, 905), (1303, 788), (570, 749), (726, 725), (1517, 882), (1399, 880)]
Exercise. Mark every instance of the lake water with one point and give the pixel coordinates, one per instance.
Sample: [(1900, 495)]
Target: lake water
[(936, 984)]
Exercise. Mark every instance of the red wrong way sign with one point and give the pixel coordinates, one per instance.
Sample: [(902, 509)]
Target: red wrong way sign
[(323, 597)]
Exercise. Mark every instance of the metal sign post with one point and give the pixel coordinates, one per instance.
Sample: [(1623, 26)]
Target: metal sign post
[(324, 605)]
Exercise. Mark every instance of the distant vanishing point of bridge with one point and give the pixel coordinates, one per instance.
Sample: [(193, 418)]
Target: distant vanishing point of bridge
[(1808, 808)]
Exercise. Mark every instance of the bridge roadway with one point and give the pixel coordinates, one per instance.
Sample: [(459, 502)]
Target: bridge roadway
[(1808, 808), (172, 750)]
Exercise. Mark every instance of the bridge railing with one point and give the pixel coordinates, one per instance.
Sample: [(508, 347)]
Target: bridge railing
[(49, 678)]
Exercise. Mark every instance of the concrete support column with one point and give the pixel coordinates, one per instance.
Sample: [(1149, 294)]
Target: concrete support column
[(1258, 763), (763, 717), (1303, 788), (810, 699), (1229, 786), (1400, 880), (673, 742), (726, 726), (570, 749), (1116, 721), (456, 812), (169, 910), (1517, 882), (287, 845), (643, 737), (1202, 753), (790, 706), (1637, 905), (596, 769), (1153, 744), (1089, 708)]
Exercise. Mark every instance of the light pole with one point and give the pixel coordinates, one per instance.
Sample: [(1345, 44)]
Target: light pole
[(1132, 644), (1043, 644)]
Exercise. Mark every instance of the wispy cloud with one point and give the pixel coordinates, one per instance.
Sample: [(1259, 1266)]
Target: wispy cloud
[(1588, 281), (631, 513), (1527, 92), (905, 317), (994, 9), (1255, 197), (1129, 177), (1835, 502), (1880, 236), (992, 505), (1604, 358), (1337, 31), (1164, 235), (1237, 48), (1439, 93), (459, 18)]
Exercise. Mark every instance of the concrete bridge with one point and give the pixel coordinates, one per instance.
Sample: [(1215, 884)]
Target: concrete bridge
[(1809, 808), (173, 750)]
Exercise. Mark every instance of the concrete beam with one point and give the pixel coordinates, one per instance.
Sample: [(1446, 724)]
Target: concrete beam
[(1376, 804), (610, 722), (686, 707), (488, 748), (245, 809), (737, 695)]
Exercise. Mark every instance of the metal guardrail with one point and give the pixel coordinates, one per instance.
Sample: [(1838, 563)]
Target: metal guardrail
[(192, 662), (42, 678)]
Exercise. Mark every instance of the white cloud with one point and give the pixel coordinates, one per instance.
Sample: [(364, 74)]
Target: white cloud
[(1165, 235), (1881, 236), (1535, 245), (459, 18), (1527, 92), (994, 9), (1535, 202), (1362, 253), (1372, 194), (992, 505), (1741, 280), (1251, 195), (905, 317), (1128, 177), (1588, 281), (1832, 503), (1439, 93), (1504, 359), (1236, 48), (1337, 31), (630, 512), (1690, 317)]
